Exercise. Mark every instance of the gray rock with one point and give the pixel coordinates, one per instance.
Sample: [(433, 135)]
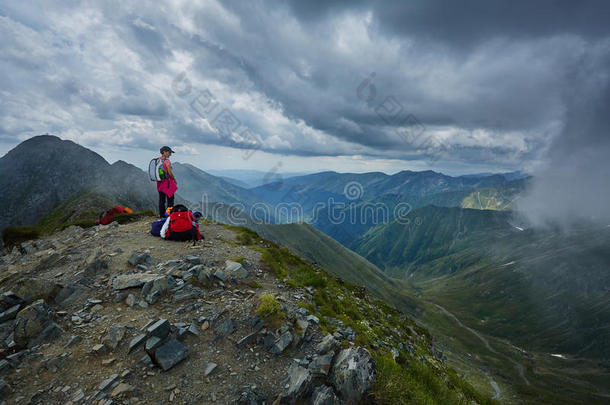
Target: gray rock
[(124, 281), (139, 258), (193, 259), (227, 327), (219, 274), (114, 336), (324, 395), (9, 299), (131, 300), (209, 367), (160, 329), (135, 342), (34, 323), (328, 344), (281, 343), (4, 388), (250, 338), (256, 323), (353, 374), (73, 340), (10, 313), (320, 365), (312, 318), (170, 354), (160, 284), (30, 289), (152, 343), (299, 385), (235, 270)]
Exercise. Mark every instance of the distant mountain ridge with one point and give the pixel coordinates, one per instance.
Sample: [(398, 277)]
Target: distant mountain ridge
[(44, 171)]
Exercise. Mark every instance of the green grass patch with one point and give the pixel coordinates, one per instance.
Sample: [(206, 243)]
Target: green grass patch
[(270, 309), (409, 381)]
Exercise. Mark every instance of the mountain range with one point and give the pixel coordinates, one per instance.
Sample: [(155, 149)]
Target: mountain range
[(501, 296)]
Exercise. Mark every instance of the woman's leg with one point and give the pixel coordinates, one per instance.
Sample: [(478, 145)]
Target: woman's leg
[(162, 197)]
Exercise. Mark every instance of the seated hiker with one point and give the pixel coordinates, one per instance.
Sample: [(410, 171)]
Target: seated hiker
[(180, 225), (168, 184)]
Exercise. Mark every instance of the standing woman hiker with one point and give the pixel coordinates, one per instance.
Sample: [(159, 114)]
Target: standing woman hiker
[(168, 185)]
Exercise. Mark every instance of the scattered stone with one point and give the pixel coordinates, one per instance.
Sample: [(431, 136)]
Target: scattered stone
[(170, 354), (73, 340), (299, 384), (160, 329), (353, 373), (193, 259), (328, 344), (312, 318), (124, 281), (235, 270), (114, 336), (123, 390), (227, 327), (33, 325), (108, 362), (320, 365), (108, 382), (219, 274), (139, 258), (209, 367), (135, 342), (131, 300), (281, 343), (31, 289), (10, 313), (324, 395), (99, 349), (78, 396), (152, 343)]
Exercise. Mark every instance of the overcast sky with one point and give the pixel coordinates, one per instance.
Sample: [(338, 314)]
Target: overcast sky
[(458, 87)]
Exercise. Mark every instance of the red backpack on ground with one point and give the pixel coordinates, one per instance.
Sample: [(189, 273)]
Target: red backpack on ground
[(182, 226)]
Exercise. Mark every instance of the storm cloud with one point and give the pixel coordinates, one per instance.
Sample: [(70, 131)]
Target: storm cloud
[(488, 83)]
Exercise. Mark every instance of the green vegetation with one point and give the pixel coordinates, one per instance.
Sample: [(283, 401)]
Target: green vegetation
[(270, 309), (420, 379), (408, 381)]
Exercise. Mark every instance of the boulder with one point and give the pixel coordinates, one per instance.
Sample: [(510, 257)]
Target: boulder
[(353, 374), (299, 385), (139, 258), (328, 344), (114, 336), (281, 343), (235, 270), (31, 289), (227, 327), (320, 365), (160, 329), (170, 354), (324, 395), (33, 324)]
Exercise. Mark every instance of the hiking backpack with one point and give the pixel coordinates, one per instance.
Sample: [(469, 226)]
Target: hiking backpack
[(182, 226), (155, 169)]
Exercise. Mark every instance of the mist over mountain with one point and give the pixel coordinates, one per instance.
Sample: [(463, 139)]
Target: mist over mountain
[(575, 184)]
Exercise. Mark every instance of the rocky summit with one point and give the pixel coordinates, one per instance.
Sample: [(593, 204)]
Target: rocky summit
[(113, 315)]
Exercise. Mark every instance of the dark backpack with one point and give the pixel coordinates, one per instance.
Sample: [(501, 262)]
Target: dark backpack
[(155, 228)]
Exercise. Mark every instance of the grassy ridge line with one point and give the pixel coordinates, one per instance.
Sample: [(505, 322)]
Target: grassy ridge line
[(415, 376)]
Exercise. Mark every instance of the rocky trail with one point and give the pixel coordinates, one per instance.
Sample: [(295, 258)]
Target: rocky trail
[(112, 315)]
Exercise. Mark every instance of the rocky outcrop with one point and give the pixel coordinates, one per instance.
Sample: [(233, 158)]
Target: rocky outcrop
[(34, 324)]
